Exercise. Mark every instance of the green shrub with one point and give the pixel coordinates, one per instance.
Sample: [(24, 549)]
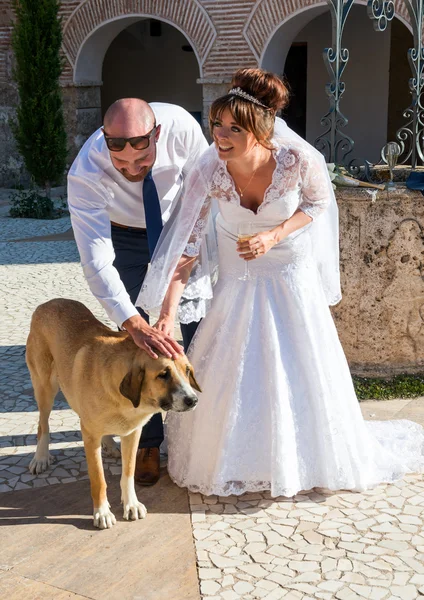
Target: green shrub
[(31, 205), (40, 128), (401, 386)]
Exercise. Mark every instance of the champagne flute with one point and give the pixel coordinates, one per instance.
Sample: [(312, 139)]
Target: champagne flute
[(390, 154), (245, 232)]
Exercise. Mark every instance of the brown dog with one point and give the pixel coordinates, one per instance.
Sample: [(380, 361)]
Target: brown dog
[(110, 383)]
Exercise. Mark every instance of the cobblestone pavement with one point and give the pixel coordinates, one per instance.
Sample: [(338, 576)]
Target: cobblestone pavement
[(315, 545)]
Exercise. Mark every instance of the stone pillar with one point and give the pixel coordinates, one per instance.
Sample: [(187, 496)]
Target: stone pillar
[(212, 89), (381, 317), (82, 110), (83, 115)]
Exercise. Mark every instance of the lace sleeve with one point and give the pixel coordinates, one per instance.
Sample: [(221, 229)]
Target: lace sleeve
[(189, 230), (314, 184), (195, 239), (316, 196)]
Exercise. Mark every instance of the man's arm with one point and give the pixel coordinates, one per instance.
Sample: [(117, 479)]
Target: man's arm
[(91, 225)]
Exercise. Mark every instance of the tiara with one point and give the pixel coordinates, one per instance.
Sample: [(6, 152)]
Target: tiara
[(239, 92)]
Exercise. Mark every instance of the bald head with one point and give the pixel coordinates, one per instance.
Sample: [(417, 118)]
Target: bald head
[(132, 118), (129, 117)]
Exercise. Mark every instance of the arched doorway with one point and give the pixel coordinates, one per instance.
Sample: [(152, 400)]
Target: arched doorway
[(153, 60), (92, 28), (376, 76), (289, 59)]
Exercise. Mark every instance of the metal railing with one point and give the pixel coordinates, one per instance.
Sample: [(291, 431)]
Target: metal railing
[(410, 135), (336, 146)]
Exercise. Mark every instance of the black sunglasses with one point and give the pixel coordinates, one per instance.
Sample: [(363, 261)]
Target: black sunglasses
[(117, 144)]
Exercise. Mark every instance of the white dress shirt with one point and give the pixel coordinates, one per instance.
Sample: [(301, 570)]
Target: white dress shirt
[(98, 194)]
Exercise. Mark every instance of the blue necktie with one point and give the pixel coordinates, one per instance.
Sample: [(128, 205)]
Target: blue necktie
[(152, 212)]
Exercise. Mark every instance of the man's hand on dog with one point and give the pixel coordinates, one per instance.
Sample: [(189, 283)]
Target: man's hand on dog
[(150, 339)]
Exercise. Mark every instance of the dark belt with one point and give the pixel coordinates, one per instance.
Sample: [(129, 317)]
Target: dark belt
[(129, 227)]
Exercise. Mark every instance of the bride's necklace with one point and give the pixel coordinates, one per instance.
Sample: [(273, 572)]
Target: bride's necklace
[(241, 191)]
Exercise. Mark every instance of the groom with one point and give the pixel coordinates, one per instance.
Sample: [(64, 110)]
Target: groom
[(122, 187)]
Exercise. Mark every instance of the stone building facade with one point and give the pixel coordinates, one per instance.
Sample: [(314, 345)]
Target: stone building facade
[(185, 51)]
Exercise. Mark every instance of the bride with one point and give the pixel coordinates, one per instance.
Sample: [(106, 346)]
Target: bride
[(278, 410)]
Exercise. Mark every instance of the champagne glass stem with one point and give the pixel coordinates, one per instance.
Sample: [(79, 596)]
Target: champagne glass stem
[(245, 232)]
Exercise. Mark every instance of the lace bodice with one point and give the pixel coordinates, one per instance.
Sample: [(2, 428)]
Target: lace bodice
[(300, 181), (297, 182)]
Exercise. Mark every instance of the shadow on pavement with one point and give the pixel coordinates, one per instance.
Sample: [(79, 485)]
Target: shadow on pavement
[(70, 503), (66, 236), (30, 439), (48, 537), (19, 252)]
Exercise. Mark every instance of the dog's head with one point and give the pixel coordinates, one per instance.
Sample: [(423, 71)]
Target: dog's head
[(160, 383)]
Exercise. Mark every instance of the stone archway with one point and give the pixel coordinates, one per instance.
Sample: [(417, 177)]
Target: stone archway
[(285, 33), (88, 33), (267, 16), (95, 23), (152, 60)]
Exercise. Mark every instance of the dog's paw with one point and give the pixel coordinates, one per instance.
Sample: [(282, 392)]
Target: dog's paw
[(110, 448), (103, 517), (38, 465), (134, 511)]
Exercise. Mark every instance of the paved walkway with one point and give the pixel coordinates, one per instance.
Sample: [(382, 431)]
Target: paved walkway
[(316, 545)]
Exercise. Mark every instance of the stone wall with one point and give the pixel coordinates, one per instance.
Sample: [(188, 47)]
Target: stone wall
[(83, 115), (381, 317), (11, 163), (12, 170)]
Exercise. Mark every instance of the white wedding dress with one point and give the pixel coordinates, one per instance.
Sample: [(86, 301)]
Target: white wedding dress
[(278, 410)]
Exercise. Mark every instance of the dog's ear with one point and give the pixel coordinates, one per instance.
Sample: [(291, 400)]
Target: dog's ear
[(193, 381), (131, 385)]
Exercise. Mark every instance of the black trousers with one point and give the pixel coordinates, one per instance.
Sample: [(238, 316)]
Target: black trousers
[(132, 257)]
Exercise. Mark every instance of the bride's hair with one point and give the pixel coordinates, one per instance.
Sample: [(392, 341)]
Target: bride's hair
[(253, 99)]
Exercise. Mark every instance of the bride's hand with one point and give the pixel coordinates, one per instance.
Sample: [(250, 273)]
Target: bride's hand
[(166, 325), (258, 245)]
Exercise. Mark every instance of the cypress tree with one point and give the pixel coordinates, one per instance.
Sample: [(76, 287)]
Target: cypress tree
[(40, 127)]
